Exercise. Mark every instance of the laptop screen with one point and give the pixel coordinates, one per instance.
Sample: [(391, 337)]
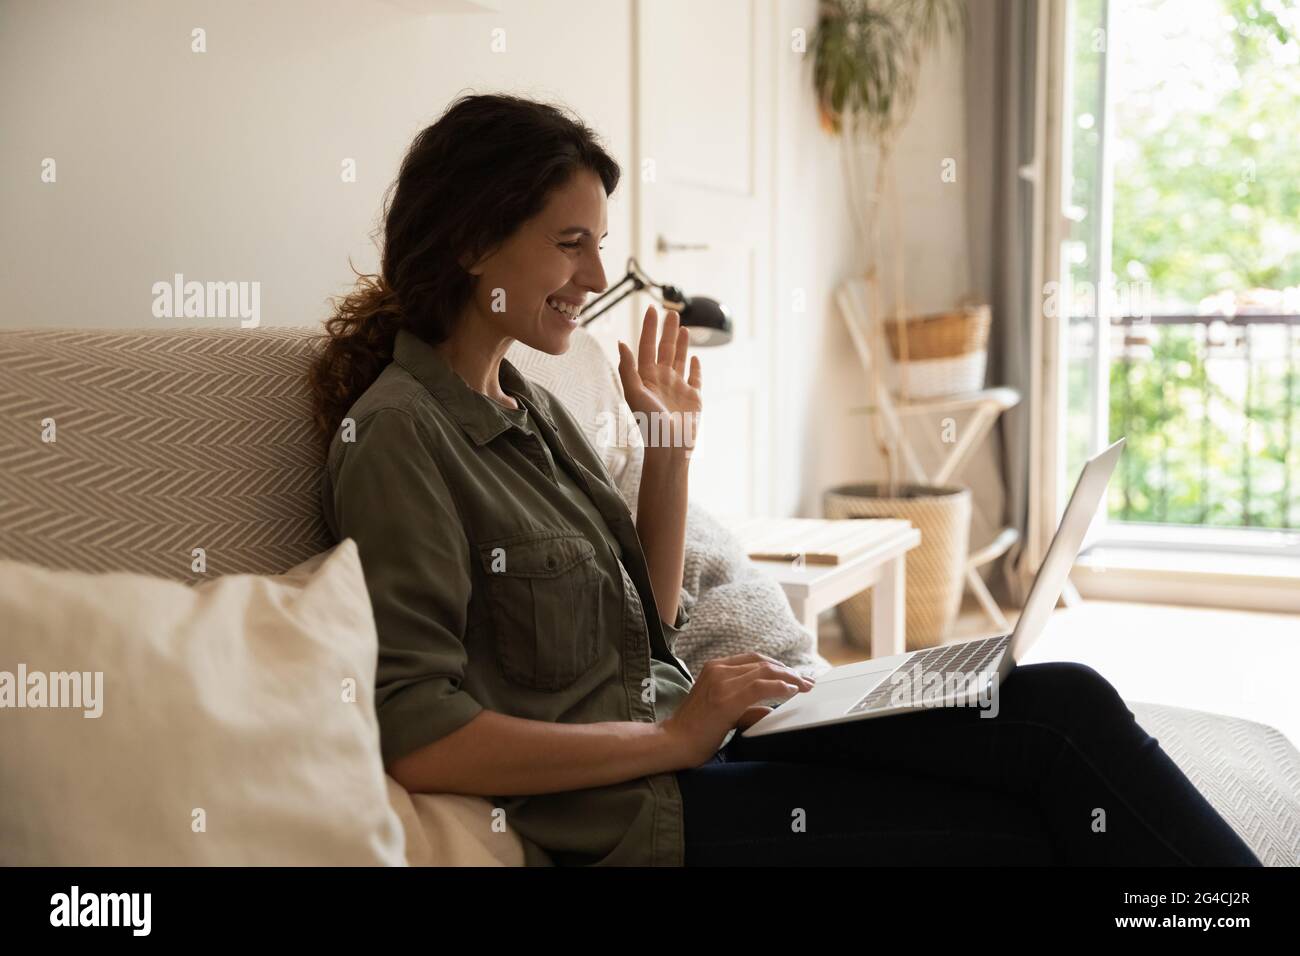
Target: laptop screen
[(1051, 577)]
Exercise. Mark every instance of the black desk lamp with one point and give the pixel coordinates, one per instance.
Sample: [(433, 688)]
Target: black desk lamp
[(707, 321)]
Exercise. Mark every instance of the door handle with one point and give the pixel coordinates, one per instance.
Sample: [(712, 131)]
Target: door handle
[(663, 245)]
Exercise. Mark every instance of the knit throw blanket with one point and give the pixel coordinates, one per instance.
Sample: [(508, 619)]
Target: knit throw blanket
[(735, 608)]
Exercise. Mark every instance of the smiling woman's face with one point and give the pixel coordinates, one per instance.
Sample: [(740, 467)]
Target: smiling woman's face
[(552, 258)]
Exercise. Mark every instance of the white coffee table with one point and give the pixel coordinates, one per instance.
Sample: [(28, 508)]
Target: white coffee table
[(812, 588)]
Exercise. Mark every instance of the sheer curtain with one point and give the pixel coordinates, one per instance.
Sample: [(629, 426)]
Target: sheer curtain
[(1006, 127)]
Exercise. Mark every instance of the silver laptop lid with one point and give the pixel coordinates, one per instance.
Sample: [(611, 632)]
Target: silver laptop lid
[(1065, 548)]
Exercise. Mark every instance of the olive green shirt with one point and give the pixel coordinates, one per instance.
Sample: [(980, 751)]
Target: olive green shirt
[(505, 573), (669, 689)]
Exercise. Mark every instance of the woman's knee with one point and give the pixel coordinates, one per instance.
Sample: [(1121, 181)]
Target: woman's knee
[(1070, 694)]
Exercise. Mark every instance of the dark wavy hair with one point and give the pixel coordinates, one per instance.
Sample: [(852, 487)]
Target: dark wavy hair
[(488, 165)]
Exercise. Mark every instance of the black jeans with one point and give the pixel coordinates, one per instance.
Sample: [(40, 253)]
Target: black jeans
[(1062, 775)]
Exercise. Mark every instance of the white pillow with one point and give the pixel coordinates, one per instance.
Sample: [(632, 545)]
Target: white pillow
[(236, 720)]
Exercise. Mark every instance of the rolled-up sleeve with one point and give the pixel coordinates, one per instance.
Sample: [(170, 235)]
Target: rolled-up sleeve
[(674, 630), (387, 494)]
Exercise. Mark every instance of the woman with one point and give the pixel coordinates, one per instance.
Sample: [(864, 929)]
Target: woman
[(523, 619)]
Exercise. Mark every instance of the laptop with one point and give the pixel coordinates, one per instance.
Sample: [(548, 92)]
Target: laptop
[(950, 675)]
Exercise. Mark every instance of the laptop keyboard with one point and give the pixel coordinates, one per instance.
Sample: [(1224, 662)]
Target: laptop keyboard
[(967, 657)]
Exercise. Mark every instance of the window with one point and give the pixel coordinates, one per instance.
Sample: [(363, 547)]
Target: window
[(1181, 318)]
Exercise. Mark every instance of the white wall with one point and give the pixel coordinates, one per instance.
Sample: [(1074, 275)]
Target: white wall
[(816, 251), (225, 165)]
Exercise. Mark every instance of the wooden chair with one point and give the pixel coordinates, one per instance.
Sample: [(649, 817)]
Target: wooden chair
[(980, 409)]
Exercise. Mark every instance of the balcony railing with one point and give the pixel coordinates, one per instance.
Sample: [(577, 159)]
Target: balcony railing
[(1209, 407)]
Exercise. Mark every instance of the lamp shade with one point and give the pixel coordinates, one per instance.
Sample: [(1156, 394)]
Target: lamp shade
[(707, 321)]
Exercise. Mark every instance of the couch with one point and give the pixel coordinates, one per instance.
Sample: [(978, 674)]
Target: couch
[(172, 436)]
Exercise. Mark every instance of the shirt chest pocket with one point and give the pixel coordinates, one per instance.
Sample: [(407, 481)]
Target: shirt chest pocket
[(543, 593)]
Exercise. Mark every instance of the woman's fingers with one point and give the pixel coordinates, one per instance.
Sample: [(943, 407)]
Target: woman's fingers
[(668, 342), (767, 690), (683, 343), (736, 677), (627, 369), (645, 356), (673, 348)]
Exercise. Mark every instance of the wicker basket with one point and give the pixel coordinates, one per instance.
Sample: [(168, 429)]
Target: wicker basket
[(934, 568), (946, 352)]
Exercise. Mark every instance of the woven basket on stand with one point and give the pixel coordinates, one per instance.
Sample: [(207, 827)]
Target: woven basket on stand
[(946, 352), (934, 569)]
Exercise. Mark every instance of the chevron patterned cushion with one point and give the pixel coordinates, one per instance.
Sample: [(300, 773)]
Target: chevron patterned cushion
[(165, 441), (1248, 772)]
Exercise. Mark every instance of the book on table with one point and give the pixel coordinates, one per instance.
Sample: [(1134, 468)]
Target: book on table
[(817, 541)]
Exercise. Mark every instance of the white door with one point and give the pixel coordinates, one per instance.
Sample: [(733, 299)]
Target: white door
[(703, 142)]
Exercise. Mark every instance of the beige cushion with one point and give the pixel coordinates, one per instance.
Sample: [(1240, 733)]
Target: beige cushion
[(447, 829), (236, 720)]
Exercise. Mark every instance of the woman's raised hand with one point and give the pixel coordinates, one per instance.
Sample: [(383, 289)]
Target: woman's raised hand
[(665, 399)]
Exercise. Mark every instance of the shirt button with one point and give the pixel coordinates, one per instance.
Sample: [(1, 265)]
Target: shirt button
[(550, 562)]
